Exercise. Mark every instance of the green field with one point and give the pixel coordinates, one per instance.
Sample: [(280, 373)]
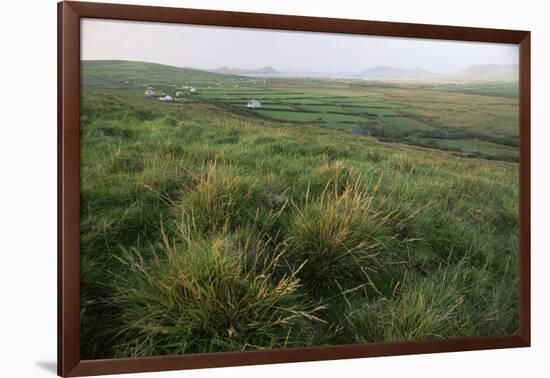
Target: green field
[(207, 226), (403, 112), (396, 114)]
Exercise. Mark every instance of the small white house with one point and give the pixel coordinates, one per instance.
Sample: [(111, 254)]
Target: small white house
[(254, 104), (193, 90), (166, 98), (150, 92), (179, 93)]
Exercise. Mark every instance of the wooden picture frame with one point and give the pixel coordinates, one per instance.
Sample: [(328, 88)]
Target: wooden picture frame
[(69, 16)]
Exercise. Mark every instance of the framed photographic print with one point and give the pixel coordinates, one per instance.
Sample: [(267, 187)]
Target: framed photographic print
[(239, 188)]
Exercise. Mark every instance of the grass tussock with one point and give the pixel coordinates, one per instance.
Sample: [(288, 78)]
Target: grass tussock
[(214, 201), (337, 235), (423, 308), (208, 295), (220, 199)]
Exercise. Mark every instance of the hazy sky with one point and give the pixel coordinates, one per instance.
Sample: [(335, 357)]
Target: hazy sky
[(211, 47)]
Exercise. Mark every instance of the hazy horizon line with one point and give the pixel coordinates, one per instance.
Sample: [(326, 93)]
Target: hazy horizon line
[(296, 71), (210, 47)]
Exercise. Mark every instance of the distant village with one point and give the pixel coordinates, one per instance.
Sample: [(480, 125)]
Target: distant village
[(188, 90), (152, 92)]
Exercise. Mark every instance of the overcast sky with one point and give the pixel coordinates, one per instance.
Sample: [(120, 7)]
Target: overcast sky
[(211, 47)]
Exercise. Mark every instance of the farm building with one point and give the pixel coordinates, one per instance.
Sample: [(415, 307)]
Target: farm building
[(166, 98), (179, 93), (150, 92), (254, 104), (192, 90)]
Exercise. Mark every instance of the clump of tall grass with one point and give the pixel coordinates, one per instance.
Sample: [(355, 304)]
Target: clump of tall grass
[(163, 177), (337, 236), (222, 200), (335, 174), (218, 200), (205, 295), (338, 176), (422, 308)]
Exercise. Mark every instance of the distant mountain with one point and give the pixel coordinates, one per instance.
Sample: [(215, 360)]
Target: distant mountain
[(386, 72), (480, 72), (243, 71), (488, 72)]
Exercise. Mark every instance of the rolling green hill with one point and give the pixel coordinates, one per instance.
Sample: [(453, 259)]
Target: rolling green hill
[(121, 74)]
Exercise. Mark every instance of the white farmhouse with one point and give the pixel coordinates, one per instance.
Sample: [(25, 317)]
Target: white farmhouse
[(254, 104), (192, 90), (178, 93), (166, 98), (150, 92)]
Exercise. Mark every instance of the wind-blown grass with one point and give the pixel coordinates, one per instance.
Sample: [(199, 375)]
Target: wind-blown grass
[(337, 235), (423, 308), (207, 295), (206, 231)]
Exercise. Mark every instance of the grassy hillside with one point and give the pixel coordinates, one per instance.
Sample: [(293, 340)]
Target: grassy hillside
[(206, 228), (126, 74)]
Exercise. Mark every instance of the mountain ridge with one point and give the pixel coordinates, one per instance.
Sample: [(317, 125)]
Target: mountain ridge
[(388, 72), (240, 71), (489, 72), (477, 72)]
